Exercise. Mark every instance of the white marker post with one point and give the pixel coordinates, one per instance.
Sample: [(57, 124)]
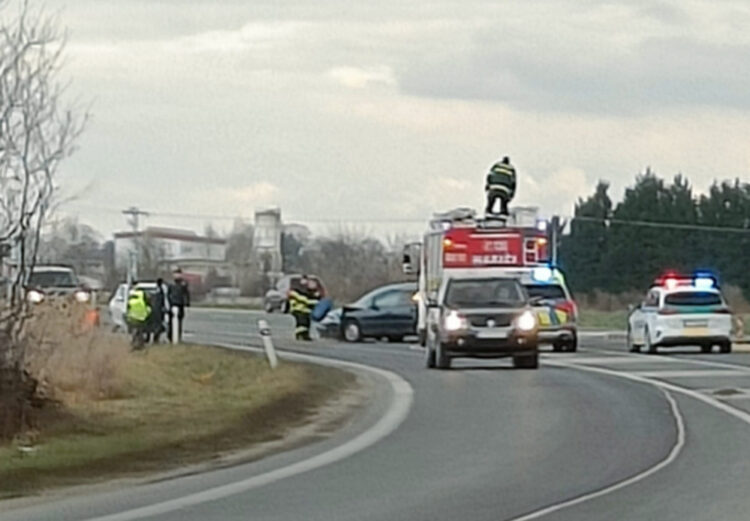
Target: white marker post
[(265, 335), (175, 333)]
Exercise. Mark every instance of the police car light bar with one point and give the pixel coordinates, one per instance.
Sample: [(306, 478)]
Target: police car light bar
[(699, 280), (542, 274)]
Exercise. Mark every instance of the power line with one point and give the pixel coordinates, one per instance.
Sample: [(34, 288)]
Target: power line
[(657, 224)]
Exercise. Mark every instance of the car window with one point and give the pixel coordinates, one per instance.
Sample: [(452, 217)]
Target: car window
[(693, 298), (49, 279), (546, 291), (652, 299), (484, 293), (389, 299)]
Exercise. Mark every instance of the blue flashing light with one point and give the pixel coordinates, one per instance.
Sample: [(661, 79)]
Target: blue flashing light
[(703, 282), (542, 274)]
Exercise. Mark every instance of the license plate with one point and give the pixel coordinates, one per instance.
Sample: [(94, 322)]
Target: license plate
[(695, 323), (696, 331), (490, 333)]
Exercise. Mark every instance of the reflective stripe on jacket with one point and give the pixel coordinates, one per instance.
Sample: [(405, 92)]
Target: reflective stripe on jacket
[(301, 303), (502, 177)]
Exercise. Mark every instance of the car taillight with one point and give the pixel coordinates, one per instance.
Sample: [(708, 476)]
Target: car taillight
[(570, 308)]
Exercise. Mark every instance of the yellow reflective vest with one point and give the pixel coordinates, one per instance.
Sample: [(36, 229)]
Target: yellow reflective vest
[(138, 308)]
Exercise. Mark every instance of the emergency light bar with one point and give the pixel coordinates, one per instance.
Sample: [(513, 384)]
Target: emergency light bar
[(700, 280)]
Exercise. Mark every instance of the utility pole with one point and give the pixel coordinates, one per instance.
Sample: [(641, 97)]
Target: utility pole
[(135, 214)]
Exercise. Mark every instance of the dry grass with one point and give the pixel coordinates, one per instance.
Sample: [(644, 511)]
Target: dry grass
[(72, 360), (115, 412)]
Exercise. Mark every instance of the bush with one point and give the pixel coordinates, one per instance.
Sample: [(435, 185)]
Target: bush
[(70, 358)]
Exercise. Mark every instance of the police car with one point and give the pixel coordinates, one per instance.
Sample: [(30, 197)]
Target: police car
[(681, 311)]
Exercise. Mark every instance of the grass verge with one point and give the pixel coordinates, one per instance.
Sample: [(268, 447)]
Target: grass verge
[(177, 405), (618, 320)]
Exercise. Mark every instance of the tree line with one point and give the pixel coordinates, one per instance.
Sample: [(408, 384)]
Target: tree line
[(619, 247)]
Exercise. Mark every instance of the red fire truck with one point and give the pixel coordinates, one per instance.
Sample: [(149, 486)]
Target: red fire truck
[(458, 244)]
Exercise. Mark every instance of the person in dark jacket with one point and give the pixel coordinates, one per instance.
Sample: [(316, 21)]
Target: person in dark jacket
[(179, 299), (160, 307), (501, 184)]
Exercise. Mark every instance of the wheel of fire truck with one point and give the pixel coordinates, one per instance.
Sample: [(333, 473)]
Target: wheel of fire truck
[(352, 330), (442, 360), (526, 361)]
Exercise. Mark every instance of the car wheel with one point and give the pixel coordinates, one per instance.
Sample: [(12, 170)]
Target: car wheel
[(632, 347), (352, 331), (557, 346), (706, 348), (726, 347), (650, 347), (571, 346), (526, 361), (442, 360)]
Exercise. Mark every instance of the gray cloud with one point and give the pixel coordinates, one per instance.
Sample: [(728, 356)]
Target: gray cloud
[(657, 73)]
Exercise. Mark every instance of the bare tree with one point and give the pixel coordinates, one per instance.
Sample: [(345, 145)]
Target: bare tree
[(37, 131)]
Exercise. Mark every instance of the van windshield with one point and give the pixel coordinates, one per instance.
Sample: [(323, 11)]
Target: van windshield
[(477, 293)]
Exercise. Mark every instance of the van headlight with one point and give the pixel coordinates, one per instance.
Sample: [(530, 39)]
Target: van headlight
[(526, 321), (454, 321), (82, 296), (34, 296)]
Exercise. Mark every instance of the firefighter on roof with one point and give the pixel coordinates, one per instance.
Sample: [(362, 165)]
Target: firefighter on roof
[(501, 184)]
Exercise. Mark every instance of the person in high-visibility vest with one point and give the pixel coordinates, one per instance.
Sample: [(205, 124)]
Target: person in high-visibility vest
[(138, 310), (302, 300), (501, 184)]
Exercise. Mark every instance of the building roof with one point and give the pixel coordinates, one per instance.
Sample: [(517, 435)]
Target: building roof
[(172, 234)]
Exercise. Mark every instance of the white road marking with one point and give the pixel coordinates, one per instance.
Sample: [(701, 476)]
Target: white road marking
[(673, 454), (604, 360), (665, 386), (403, 396), (690, 373)]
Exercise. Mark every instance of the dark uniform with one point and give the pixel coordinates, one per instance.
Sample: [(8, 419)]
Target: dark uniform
[(501, 184), (302, 300), (179, 297)]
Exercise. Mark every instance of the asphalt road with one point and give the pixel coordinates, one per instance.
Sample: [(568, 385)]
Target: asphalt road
[(597, 435)]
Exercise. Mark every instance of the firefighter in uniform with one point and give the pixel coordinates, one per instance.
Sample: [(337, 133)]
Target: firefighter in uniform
[(302, 300), (501, 184)]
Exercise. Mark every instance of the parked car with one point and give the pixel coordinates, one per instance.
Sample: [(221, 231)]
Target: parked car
[(119, 302), (53, 282), (385, 312), (277, 299)]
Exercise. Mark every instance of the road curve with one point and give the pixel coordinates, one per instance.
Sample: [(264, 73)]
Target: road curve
[(487, 443)]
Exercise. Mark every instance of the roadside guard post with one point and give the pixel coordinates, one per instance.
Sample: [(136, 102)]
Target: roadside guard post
[(265, 335), (175, 333)]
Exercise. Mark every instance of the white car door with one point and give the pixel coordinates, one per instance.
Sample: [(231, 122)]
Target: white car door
[(117, 307), (650, 310)]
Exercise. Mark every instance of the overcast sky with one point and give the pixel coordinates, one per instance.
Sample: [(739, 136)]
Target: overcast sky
[(395, 109)]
